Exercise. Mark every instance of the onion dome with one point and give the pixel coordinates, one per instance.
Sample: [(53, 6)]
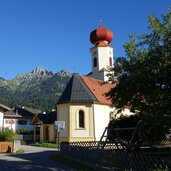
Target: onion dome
[(101, 36)]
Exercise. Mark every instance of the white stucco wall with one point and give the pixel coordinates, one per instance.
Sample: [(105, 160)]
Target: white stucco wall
[(10, 123), (102, 54), (63, 116), (69, 114), (102, 118), (80, 132), (1, 119), (102, 75)]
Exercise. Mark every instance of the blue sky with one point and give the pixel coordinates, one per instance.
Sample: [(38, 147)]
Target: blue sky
[(54, 34)]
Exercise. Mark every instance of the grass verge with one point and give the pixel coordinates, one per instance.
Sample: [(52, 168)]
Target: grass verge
[(47, 145), (19, 151), (71, 163)]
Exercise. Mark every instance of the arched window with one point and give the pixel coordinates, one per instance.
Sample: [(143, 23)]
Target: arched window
[(81, 123), (95, 62), (110, 61)]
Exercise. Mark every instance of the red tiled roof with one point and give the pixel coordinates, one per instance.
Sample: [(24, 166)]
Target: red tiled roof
[(99, 89)]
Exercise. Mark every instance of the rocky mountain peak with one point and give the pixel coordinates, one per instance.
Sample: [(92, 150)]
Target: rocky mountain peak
[(41, 71), (1, 78), (64, 73), (39, 88)]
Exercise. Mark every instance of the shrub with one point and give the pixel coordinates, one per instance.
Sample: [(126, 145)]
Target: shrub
[(7, 134), (25, 131)]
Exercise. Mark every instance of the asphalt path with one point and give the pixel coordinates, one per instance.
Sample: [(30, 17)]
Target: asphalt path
[(34, 158)]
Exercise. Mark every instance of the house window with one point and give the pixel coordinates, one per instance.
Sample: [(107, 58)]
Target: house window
[(81, 121), (110, 61), (95, 62), (22, 122), (10, 121)]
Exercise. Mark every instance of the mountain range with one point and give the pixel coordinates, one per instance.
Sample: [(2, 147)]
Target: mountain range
[(39, 89)]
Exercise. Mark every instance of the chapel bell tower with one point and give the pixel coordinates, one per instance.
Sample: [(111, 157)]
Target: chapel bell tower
[(101, 53)]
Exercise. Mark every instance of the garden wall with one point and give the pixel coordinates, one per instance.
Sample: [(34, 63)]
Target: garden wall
[(6, 147)]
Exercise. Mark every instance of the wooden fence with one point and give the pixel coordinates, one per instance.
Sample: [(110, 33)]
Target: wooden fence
[(6, 147), (117, 158)]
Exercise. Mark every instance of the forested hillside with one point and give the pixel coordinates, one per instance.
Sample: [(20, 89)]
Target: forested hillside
[(38, 89)]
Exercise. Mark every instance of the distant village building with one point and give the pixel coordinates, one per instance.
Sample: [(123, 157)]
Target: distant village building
[(3, 109), (24, 123), (8, 118), (83, 105), (17, 119), (46, 123)]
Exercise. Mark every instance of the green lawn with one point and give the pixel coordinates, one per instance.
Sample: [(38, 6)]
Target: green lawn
[(19, 151), (47, 145)]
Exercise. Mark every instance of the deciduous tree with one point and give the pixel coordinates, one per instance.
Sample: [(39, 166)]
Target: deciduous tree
[(143, 81)]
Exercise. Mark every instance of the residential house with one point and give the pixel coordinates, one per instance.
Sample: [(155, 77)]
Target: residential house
[(46, 124), (18, 119), (3, 109), (8, 118), (24, 123)]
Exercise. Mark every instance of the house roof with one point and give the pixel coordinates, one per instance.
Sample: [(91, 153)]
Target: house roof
[(99, 89), (76, 91), (31, 110), (11, 114), (4, 108), (26, 112), (49, 118), (85, 89)]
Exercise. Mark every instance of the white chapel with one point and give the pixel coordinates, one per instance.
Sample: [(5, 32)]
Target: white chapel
[(83, 105)]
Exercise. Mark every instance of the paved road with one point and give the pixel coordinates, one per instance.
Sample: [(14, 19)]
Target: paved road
[(34, 158)]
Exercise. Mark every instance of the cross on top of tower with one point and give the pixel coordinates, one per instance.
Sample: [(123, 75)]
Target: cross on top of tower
[(101, 22)]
